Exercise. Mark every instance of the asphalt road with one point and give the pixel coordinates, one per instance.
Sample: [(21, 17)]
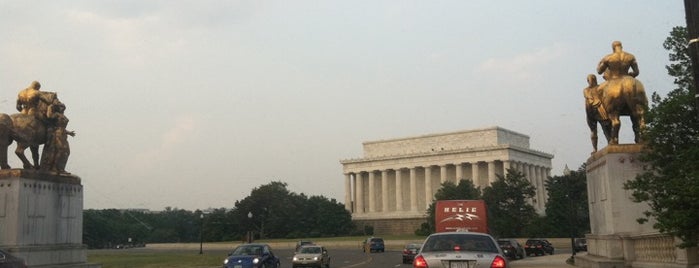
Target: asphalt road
[(344, 257), (355, 258)]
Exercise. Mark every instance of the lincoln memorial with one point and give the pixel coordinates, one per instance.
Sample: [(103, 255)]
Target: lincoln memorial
[(393, 184)]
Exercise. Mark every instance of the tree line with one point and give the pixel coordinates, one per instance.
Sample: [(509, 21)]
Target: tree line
[(509, 202), (270, 211)]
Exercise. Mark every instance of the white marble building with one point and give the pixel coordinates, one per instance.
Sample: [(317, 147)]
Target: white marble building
[(397, 178)]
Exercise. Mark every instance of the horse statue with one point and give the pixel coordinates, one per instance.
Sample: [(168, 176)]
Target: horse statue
[(625, 96), (621, 94), (29, 130)]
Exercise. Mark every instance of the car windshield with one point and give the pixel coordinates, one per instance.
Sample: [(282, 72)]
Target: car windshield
[(413, 246), (460, 242), (310, 250), (504, 243), (247, 250), (534, 242)]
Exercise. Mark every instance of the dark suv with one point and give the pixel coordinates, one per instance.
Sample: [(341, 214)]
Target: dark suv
[(538, 246), (373, 244)]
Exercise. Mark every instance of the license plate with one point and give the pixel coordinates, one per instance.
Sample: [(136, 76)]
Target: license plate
[(237, 266), (459, 264)]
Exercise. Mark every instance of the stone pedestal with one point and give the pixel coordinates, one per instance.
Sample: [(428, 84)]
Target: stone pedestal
[(41, 218), (612, 212), (617, 239)]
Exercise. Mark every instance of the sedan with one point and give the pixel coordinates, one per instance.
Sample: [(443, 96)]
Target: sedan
[(251, 256), (409, 252), (460, 249), (538, 246)]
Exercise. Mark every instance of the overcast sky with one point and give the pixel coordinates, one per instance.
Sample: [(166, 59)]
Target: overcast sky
[(191, 104)]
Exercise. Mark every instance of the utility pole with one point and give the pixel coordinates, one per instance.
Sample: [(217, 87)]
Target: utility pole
[(691, 9)]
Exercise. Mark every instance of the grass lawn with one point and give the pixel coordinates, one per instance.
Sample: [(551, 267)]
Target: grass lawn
[(153, 259)]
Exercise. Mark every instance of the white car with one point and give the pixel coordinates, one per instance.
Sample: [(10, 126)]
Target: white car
[(460, 250), (311, 256)]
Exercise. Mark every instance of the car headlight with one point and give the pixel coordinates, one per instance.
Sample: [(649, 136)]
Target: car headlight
[(225, 261), (315, 258), (255, 260), (295, 258)]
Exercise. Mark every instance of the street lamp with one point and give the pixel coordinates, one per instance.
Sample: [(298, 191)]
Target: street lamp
[(250, 232), (201, 233), (572, 218)]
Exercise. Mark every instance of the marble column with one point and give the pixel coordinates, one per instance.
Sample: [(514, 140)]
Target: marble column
[(539, 187), (542, 176), (384, 190), (348, 192), (399, 190), (372, 192), (428, 185), (359, 194), (459, 173), (491, 173), (507, 164), (534, 181), (413, 189), (442, 173), (474, 174)]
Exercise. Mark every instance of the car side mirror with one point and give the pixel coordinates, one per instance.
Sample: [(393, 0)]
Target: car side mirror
[(325, 252), (230, 253)]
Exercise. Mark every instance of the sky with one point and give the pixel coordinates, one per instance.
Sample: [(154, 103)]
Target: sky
[(192, 104)]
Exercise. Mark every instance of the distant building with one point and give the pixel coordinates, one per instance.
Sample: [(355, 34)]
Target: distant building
[(391, 187)]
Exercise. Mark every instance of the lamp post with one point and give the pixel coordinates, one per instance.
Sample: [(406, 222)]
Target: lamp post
[(572, 218), (201, 233), (250, 232)]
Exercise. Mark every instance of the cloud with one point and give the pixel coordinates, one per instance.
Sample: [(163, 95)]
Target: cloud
[(181, 132), (524, 67)]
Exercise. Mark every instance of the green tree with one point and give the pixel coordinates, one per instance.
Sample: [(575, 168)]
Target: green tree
[(328, 217), (270, 206), (509, 211), (567, 211), (670, 182), (220, 226), (279, 213), (465, 190)]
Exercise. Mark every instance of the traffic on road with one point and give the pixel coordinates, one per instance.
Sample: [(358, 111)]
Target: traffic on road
[(357, 258)]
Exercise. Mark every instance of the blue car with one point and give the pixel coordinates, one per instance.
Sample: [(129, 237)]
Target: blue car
[(252, 256), (373, 244)]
